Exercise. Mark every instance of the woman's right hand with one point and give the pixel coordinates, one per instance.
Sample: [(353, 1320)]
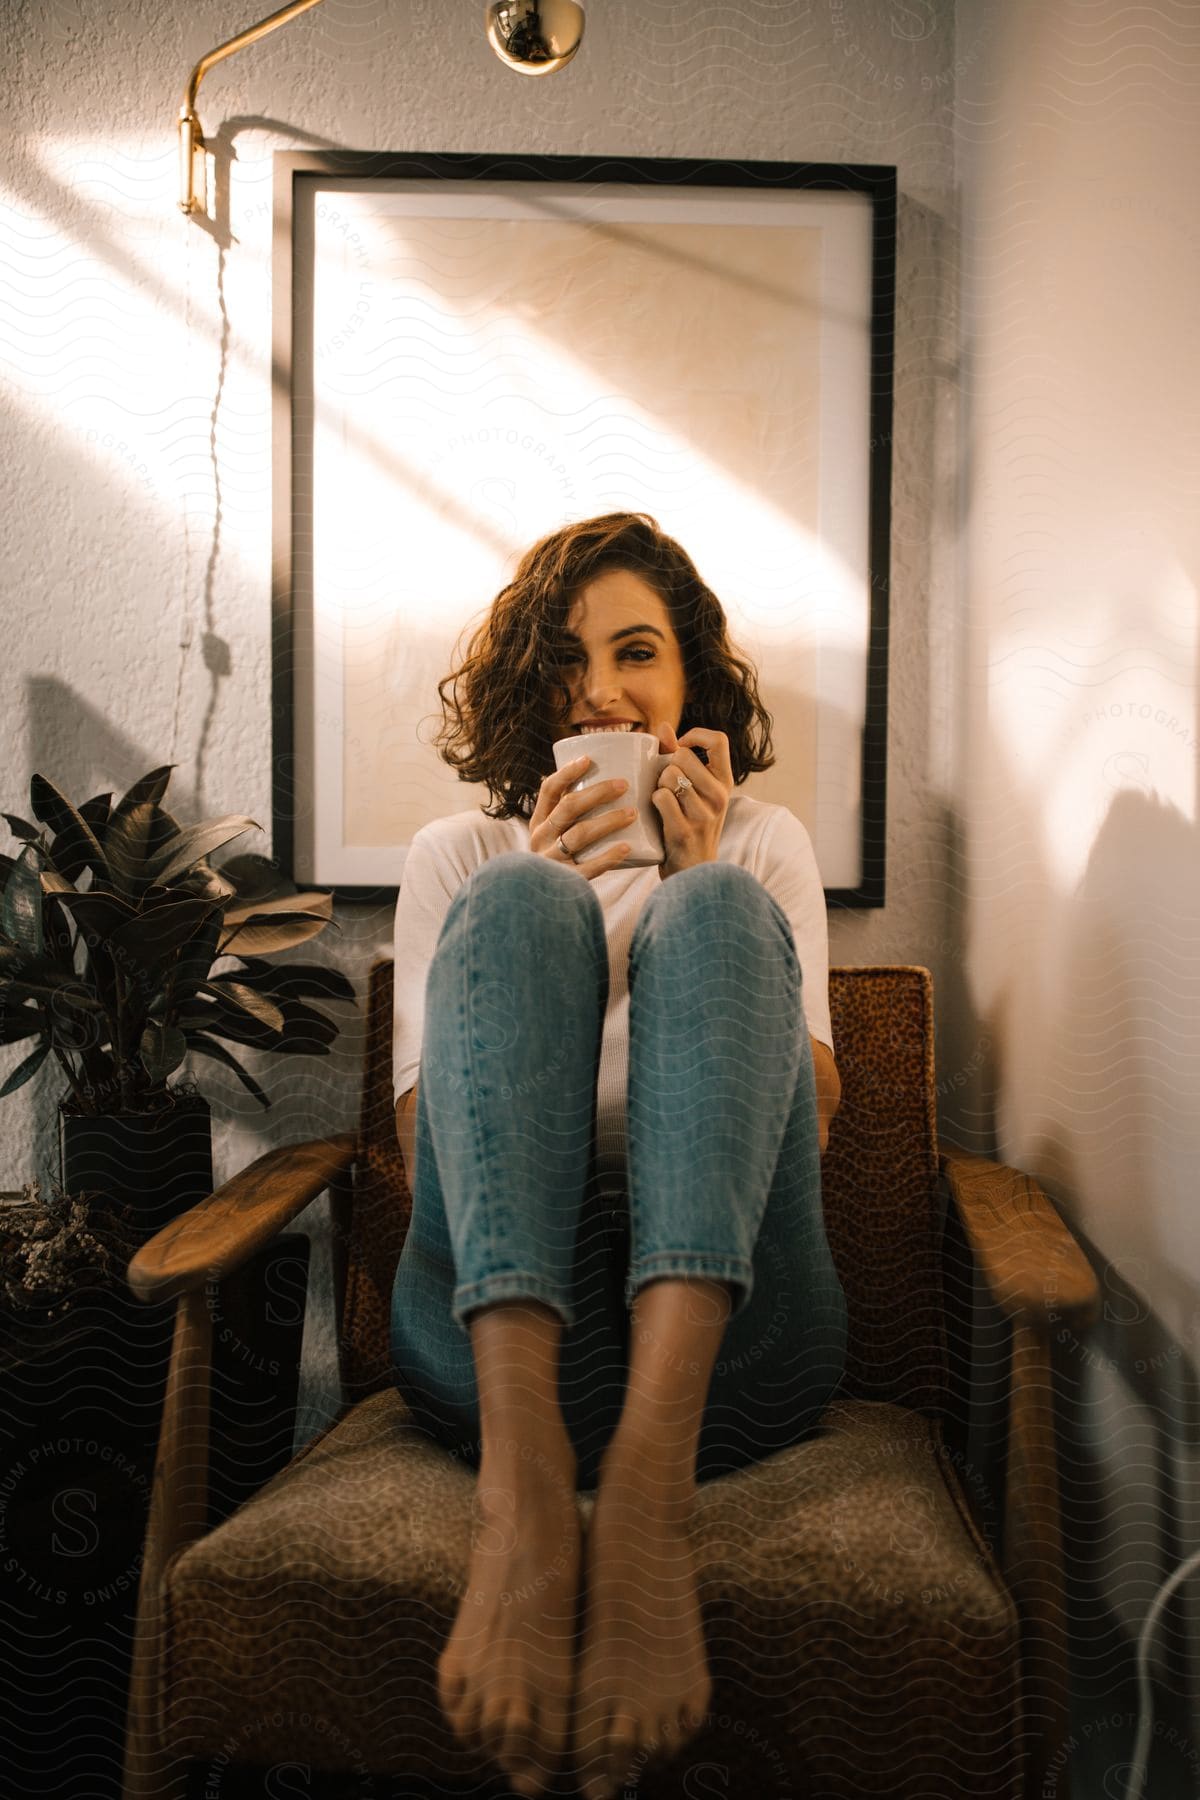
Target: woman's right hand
[(559, 812)]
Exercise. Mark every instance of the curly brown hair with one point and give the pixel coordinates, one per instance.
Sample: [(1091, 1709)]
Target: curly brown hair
[(499, 703)]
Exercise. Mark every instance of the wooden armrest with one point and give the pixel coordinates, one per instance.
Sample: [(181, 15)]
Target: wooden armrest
[(1033, 1267), (214, 1238)]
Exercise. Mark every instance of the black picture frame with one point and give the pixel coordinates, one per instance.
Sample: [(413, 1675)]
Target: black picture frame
[(298, 177)]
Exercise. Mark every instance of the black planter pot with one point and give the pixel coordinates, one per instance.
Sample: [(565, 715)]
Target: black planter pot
[(82, 1414), (158, 1167), (157, 1164)]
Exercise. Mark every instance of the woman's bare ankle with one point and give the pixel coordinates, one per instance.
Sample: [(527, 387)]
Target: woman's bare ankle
[(525, 1456), (666, 1481), (523, 1434)]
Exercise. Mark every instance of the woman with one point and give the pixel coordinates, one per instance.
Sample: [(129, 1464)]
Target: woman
[(616, 1275)]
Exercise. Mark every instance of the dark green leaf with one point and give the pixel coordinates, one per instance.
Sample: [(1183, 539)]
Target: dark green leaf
[(306, 1031), (23, 977), (204, 882), (95, 813), (266, 926), (315, 901), (195, 960), (198, 841), (18, 1022), (267, 936), (162, 1049), (149, 788), (21, 907), (207, 1047), (296, 981), (20, 828), (59, 940), (147, 940), (230, 1022), (165, 829), (97, 915), (49, 985), (76, 846), (23, 1071), (257, 877), (255, 1006), (127, 845)]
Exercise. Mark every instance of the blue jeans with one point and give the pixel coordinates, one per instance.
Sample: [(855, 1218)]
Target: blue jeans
[(723, 1168)]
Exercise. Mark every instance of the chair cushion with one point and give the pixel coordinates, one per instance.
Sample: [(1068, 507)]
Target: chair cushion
[(855, 1620)]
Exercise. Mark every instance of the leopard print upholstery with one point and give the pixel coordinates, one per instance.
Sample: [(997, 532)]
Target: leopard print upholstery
[(861, 1638), (381, 1207)]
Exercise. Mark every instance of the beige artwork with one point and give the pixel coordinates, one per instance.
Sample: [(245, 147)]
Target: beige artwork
[(513, 374)]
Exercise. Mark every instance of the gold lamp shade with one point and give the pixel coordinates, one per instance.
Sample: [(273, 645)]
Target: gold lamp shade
[(535, 37)]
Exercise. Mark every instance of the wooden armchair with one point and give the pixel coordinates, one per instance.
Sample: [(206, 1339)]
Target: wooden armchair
[(863, 1637)]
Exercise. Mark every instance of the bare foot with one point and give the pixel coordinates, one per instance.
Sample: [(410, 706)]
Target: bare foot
[(505, 1675), (643, 1679)]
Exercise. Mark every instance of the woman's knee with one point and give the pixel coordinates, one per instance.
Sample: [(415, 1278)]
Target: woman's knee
[(723, 887), (524, 873), (517, 865), (531, 887)]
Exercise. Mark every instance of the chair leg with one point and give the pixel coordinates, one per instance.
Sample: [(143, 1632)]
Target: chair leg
[(1033, 1564), (178, 1506), (150, 1772)]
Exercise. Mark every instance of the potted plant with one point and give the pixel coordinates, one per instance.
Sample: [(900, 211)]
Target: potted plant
[(115, 981)]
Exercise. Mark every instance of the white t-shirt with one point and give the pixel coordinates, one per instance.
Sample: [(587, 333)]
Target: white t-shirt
[(764, 838)]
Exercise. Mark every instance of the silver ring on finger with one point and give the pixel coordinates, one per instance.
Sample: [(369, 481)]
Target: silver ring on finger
[(682, 785), (563, 848)]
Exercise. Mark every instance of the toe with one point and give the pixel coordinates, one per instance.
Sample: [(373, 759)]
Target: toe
[(503, 1725), (623, 1741), (526, 1780), (591, 1769), (449, 1683), (691, 1718), (459, 1715), (520, 1750)]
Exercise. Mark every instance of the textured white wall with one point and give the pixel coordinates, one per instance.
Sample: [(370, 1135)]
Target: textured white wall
[(1077, 777), (136, 515), (1041, 833)]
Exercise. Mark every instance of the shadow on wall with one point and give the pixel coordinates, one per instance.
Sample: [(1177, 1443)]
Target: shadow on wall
[(1126, 1069), (966, 1053), (1092, 1078)]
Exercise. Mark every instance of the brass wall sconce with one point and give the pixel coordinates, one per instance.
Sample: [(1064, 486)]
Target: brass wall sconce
[(535, 37), (192, 166)]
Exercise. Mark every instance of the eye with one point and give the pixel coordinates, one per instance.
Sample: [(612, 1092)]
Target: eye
[(627, 650)]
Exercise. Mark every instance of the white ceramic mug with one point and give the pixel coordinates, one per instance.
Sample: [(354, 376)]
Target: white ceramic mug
[(636, 756)]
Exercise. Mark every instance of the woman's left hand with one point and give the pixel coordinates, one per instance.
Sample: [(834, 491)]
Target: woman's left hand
[(692, 826)]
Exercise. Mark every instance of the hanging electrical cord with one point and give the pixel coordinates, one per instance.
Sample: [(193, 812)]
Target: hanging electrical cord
[(1141, 1747), (184, 643)]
